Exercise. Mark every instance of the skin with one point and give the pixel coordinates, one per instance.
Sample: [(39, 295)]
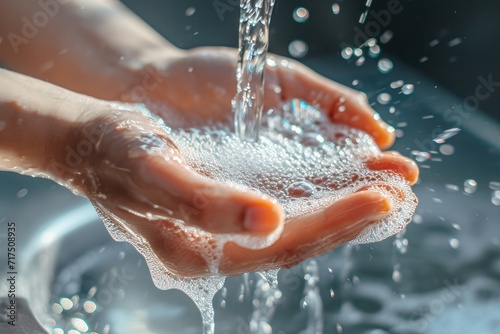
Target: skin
[(146, 190)]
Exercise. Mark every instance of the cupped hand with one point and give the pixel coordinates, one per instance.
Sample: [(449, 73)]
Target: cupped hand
[(202, 82), (146, 185), (135, 175)]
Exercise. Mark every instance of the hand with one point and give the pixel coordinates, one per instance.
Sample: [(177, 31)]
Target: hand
[(135, 176), (142, 191), (202, 81), (190, 86)]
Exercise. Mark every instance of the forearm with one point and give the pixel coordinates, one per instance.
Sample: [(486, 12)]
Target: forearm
[(83, 45), (36, 120)]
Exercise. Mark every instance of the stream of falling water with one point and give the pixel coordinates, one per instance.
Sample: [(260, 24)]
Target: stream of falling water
[(248, 102)]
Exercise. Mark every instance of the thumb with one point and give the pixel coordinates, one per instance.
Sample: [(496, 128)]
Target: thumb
[(214, 206)]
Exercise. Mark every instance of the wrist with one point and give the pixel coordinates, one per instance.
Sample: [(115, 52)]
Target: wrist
[(94, 47), (38, 122)]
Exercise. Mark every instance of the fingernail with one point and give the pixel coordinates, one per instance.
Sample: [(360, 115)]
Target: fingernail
[(261, 219), (385, 205)]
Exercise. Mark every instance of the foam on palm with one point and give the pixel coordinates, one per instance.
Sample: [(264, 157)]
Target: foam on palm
[(301, 159)]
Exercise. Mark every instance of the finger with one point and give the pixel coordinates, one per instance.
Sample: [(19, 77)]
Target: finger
[(399, 164), (213, 206), (342, 104), (311, 235)]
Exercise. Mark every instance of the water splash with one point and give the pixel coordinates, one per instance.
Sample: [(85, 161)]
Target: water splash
[(265, 300), (312, 302)]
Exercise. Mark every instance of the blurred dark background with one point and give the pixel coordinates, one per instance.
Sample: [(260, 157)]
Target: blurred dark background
[(452, 41)]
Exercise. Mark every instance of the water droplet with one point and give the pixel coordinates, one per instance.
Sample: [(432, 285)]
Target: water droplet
[(89, 306), (371, 42), (402, 124), (360, 61), (421, 156), (446, 149), (79, 324), (332, 293), (66, 303), (423, 59), (355, 82), (397, 84), (339, 329), (358, 52), (494, 185), (408, 89), (401, 245), (346, 53), (298, 48), (384, 98), (433, 43), (454, 243), (447, 134), (190, 11), (454, 42), (392, 110), (57, 308), (384, 65), (301, 15), (336, 8), (363, 16), (21, 193), (396, 276), (374, 51), (470, 186), (452, 187), (495, 197), (386, 37), (301, 189), (418, 219)]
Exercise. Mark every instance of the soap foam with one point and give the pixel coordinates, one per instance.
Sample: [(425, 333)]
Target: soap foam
[(302, 160)]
